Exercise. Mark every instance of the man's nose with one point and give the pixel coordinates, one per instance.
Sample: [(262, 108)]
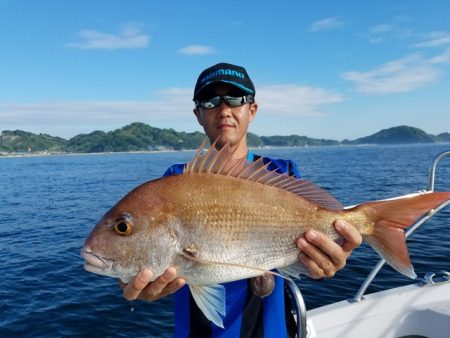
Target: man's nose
[(224, 109)]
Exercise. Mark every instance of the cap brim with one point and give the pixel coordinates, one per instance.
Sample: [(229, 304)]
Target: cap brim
[(208, 85)]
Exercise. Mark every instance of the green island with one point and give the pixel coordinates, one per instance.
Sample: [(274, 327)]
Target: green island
[(143, 137)]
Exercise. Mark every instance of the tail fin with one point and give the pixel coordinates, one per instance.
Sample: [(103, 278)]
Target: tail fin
[(388, 238)]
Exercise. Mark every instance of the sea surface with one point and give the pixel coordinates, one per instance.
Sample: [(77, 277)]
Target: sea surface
[(49, 204)]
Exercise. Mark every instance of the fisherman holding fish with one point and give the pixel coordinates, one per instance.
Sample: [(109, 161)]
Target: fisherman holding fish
[(223, 231), (225, 105)]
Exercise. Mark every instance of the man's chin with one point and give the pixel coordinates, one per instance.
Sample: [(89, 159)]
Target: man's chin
[(224, 139)]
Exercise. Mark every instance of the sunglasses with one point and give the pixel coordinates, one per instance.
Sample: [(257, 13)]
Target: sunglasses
[(231, 101)]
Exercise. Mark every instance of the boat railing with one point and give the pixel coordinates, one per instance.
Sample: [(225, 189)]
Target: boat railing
[(432, 278), (299, 308), (431, 181), (298, 302)]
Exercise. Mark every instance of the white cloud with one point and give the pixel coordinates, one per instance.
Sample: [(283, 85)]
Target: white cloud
[(129, 36), (197, 50), (378, 32), (444, 57), (294, 100), (393, 28), (435, 39), (402, 75), (381, 28), (83, 116), (326, 24), (172, 102), (376, 39), (172, 107)]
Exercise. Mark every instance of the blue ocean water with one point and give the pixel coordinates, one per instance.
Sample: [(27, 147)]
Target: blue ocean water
[(49, 204)]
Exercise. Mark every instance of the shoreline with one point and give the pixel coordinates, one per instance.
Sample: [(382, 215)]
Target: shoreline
[(49, 154), (44, 154)]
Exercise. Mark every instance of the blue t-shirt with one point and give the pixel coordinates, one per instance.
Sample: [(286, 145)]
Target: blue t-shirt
[(247, 315)]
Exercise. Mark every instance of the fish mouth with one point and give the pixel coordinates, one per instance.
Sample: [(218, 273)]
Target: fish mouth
[(95, 263)]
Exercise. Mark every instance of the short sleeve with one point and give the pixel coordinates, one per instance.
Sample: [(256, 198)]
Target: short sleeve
[(293, 169), (176, 169)]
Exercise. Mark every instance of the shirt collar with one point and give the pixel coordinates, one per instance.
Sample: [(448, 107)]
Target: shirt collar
[(250, 156)]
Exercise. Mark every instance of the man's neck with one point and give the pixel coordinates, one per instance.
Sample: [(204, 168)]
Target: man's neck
[(240, 151)]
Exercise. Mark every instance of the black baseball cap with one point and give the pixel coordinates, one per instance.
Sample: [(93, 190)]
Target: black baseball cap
[(233, 75)]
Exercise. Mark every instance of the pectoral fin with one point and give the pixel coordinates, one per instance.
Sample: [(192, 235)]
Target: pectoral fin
[(211, 300)]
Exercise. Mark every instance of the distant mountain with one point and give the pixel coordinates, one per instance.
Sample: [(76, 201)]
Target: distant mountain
[(22, 141), (254, 140), (295, 141), (395, 135), (142, 137), (444, 137), (134, 137)]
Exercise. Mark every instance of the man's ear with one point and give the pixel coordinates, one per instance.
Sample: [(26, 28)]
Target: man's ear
[(252, 111), (198, 114)]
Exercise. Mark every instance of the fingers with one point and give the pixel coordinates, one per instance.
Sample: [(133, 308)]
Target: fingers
[(138, 283), (173, 286), (324, 257), (161, 286), (154, 289), (352, 237), (314, 271), (141, 287)]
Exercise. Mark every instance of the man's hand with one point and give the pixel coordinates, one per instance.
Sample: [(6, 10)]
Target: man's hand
[(324, 257), (140, 286)]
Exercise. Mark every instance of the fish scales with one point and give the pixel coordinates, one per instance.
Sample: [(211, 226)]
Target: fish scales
[(236, 221)]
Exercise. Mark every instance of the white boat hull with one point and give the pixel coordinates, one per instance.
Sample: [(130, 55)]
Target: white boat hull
[(409, 311)]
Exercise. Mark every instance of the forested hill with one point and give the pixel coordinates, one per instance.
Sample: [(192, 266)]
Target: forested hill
[(397, 135), (142, 137)]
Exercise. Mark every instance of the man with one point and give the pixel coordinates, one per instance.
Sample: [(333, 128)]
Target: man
[(224, 106)]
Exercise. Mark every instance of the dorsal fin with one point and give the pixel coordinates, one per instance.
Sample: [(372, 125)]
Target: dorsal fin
[(221, 162)]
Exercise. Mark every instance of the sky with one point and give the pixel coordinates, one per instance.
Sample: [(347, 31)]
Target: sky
[(323, 69)]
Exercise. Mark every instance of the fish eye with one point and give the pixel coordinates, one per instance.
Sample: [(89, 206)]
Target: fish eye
[(122, 228)]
